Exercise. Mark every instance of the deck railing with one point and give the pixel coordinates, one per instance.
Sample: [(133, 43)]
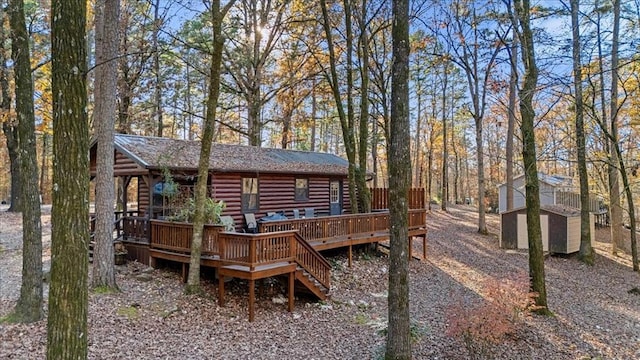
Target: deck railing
[(380, 198), (278, 241), (135, 228), (327, 227), (596, 204), (176, 236), (251, 250)]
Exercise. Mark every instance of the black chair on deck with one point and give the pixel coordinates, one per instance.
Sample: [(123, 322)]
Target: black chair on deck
[(251, 225)]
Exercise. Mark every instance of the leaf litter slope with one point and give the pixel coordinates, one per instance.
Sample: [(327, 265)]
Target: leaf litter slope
[(151, 318)]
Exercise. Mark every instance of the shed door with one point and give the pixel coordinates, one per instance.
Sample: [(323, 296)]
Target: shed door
[(335, 197), (523, 238)]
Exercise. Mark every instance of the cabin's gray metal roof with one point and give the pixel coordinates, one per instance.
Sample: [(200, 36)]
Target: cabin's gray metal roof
[(156, 153)]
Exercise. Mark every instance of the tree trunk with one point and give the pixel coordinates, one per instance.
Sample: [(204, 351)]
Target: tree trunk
[(612, 179), (29, 306), (445, 150), (313, 116), (44, 169), (399, 337), (586, 251), (363, 134), (288, 107), (511, 118), (532, 188), (156, 69), (9, 128), (482, 218), (107, 14), (631, 208), (68, 296), (346, 119), (193, 280), (614, 173)]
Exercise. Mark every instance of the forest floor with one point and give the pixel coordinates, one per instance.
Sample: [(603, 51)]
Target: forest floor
[(596, 312)]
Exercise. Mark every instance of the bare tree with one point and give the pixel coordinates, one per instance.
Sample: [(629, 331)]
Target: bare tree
[(474, 51), (399, 162), (532, 187), (358, 190), (586, 251)]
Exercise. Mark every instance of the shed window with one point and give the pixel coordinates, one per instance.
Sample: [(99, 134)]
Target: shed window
[(302, 189), (250, 194)]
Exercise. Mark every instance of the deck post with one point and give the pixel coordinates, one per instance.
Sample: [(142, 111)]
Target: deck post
[(185, 272), (291, 289), (350, 255), (252, 299), (424, 246), (220, 290)]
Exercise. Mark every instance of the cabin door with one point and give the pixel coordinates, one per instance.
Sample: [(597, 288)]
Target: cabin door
[(335, 197)]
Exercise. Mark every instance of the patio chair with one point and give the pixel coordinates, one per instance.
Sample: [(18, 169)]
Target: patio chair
[(296, 214), (251, 225), (228, 222), (309, 212)]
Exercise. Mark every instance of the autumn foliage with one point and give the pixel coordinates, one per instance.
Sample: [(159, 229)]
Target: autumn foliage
[(482, 324)]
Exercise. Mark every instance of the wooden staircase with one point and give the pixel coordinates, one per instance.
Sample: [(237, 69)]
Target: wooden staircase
[(307, 283), (283, 254), (313, 271)]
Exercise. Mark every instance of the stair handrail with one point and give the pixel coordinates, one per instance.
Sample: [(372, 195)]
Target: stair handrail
[(323, 274)]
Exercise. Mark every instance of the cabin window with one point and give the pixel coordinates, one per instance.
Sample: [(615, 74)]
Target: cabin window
[(250, 194), (302, 189)]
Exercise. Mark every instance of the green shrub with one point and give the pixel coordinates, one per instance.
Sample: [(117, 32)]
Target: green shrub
[(212, 211)]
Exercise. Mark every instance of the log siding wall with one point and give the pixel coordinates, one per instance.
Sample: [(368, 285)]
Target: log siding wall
[(276, 193)]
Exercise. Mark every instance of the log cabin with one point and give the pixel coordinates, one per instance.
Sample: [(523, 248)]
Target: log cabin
[(309, 190), (248, 179)]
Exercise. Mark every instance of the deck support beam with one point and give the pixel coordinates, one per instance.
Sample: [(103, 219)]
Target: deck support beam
[(350, 255)]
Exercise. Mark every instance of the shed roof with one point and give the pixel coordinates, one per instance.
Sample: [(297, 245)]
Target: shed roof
[(553, 180), (562, 210), (155, 153)]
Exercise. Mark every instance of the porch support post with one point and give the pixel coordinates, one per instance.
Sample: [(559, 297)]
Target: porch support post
[(291, 289), (252, 299), (350, 255), (124, 186)]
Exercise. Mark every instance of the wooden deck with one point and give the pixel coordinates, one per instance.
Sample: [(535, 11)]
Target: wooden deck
[(281, 248)]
